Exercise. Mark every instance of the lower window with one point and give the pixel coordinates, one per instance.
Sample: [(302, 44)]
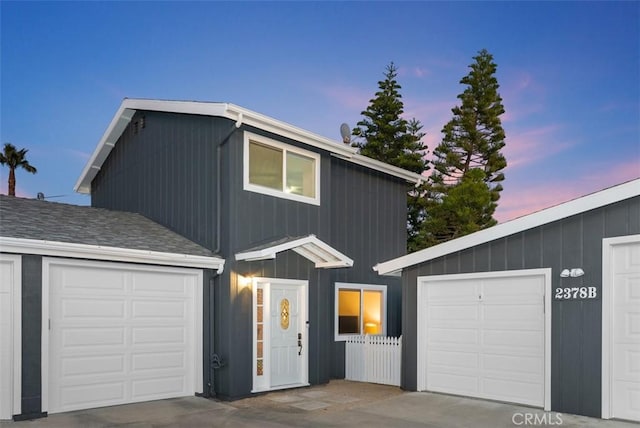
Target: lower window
[(360, 309)]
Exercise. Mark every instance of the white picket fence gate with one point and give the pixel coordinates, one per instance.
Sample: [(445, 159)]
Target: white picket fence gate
[(374, 359)]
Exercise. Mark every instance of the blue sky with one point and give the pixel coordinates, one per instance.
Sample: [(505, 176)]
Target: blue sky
[(569, 75)]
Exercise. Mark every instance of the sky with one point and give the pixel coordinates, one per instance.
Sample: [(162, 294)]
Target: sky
[(569, 75)]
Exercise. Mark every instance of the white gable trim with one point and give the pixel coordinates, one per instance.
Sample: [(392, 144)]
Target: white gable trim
[(309, 247), (586, 203), (230, 111), (97, 252)]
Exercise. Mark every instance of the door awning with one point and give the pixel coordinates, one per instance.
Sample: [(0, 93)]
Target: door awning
[(309, 247)]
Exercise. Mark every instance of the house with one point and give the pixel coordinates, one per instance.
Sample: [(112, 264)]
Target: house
[(543, 310), (285, 226)]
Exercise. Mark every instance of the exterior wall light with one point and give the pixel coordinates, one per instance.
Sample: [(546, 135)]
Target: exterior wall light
[(573, 273)]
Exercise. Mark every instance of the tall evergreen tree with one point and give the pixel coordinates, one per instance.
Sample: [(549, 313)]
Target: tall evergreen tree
[(474, 136), (383, 134), (472, 140)]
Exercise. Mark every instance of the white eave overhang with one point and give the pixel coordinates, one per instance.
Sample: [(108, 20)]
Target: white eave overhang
[(589, 202), (309, 247), (230, 111), (97, 252)]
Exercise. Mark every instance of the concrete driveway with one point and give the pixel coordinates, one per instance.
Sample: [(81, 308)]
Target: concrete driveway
[(338, 404)]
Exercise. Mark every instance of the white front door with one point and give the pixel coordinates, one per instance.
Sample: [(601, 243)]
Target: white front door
[(10, 352), (625, 376), (280, 338)]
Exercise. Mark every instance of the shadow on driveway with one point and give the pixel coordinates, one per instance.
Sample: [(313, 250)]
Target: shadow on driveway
[(338, 404)]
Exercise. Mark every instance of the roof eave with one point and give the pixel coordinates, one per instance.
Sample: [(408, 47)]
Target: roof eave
[(98, 252), (230, 111), (589, 202)]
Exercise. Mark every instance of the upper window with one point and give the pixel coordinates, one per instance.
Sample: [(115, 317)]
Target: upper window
[(360, 309), (281, 170)]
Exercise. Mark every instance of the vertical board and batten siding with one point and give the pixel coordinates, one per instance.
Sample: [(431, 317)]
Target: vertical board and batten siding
[(576, 324), (166, 171), (368, 222)]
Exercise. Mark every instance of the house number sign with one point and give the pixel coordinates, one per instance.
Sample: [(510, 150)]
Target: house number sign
[(575, 293)]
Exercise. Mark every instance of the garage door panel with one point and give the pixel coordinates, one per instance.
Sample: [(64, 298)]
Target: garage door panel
[(466, 291), (627, 362), (91, 281), (160, 284), (455, 313), (515, 289), (158, 361), (531, 314), (155, 388), (159, 336), (92, 308), (455, 383), (511, 338), (91, 337), (452, 358), (76, 397), (453, 336), (520, 364), (159, 309), (92, 365)]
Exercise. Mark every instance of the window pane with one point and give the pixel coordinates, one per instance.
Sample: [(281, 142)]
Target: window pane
[(265, 166), (372, 307), (349, 311), (301, 175)]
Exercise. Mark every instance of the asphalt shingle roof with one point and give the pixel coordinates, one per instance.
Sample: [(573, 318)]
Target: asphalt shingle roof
[(51, 221)]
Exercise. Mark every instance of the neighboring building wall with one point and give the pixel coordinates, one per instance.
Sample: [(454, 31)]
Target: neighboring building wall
[(576, 346)]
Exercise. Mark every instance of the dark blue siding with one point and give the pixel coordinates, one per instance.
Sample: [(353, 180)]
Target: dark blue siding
[(576, 325)]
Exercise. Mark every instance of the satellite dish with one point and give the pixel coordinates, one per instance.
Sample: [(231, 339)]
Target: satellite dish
[(40, 196), (345, 132)]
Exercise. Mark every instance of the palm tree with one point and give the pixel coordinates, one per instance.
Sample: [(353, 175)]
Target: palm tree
[(15, 158)]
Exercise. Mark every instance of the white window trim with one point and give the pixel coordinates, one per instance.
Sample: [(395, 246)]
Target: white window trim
[(360, 287), (248, 136), (608, 245)]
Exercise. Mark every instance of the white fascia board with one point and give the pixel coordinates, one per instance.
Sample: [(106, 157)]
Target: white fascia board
[(310, 247), (96, 252), (230, 111), (567, 209)]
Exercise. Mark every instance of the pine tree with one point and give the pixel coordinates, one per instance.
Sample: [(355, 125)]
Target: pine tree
[(474, 136), (472, 141), (383, 134)]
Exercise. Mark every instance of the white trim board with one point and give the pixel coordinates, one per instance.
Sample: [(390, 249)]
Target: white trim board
[(421, 319), (15, 331), (309, 247), (607, 324), (240, 115), (97, 252), (604, 197)]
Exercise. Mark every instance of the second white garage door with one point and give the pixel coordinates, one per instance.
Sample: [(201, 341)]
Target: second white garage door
[(120, 333), (485, 335)]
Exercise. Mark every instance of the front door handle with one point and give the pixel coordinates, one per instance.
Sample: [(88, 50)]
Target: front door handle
[(299, 343)]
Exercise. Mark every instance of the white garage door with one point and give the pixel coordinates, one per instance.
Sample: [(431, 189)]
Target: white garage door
[(10, 343), (483, 335), (121, 333), (625, 385)]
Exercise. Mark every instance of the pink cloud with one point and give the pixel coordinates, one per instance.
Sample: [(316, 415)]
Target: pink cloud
[(533, 145), (529, 199), (4, 189), (347, 96)]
